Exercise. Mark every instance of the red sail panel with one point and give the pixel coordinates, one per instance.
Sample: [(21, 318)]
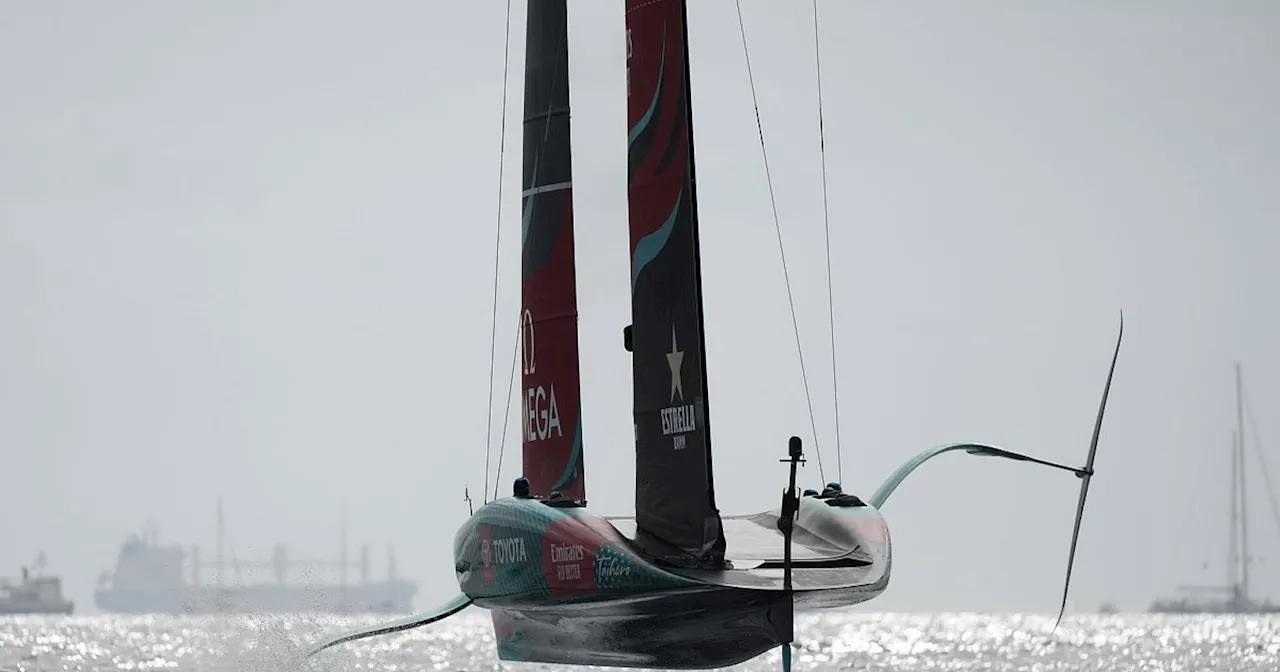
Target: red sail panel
[(675, 494), (551, 426)]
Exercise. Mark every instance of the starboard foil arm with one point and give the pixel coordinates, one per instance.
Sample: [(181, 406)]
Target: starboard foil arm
[(1085, 473), (415, 621), (981, 449)]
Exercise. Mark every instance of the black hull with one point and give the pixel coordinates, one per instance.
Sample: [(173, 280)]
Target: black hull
[(687, 630)]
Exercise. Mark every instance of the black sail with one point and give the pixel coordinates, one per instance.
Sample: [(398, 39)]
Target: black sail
[(675, 494)]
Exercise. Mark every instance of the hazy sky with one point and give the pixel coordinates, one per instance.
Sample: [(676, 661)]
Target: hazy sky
[(246, 251)]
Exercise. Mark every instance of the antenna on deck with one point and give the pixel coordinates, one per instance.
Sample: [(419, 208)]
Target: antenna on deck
[(466, 497), (786, 523)]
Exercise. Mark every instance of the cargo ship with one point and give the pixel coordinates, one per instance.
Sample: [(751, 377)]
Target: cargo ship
[(150, 577)]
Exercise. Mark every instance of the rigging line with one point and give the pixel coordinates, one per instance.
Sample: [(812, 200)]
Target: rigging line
[(506, 414), (826, 228), (497, 249), (1262, 456), (795, 324)]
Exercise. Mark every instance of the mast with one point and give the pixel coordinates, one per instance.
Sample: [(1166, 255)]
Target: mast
[(1233, 542), (220, 544), (1244, 515), (551, 427), (342, 558), (675, 490)]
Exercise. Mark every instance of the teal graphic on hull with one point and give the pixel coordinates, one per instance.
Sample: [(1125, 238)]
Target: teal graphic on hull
[(522, 552)]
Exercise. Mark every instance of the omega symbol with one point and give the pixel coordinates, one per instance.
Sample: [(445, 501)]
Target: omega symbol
[(526, 332)]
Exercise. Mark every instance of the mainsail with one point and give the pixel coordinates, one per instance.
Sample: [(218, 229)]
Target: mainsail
[(550, 408), (675, 493)]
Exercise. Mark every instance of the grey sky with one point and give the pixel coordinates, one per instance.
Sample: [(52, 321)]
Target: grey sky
[(246, 251)]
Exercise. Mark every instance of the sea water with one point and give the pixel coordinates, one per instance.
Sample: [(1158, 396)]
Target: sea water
[(860, 641)]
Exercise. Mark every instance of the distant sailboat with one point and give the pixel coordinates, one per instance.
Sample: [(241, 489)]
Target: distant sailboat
[(679, 585), (1232, 597)]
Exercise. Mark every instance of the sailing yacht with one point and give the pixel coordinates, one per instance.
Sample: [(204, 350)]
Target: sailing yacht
[(1233, 597), (679, 584)]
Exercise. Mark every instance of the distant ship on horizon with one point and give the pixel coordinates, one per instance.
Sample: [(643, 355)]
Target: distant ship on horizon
[(34, 594), (153, 578)]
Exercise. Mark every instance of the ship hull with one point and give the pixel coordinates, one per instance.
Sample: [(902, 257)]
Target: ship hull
[(64, 608), (1215, 607), (565, 586), (382, 598)]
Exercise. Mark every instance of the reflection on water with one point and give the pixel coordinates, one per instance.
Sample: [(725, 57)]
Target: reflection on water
[(899, 642)]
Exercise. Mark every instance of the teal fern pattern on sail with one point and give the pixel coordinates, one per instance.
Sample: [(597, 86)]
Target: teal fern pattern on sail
[(649, 246), (653, 104), (574, 458)]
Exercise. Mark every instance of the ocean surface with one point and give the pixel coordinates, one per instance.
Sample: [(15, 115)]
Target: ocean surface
[(900, 642)]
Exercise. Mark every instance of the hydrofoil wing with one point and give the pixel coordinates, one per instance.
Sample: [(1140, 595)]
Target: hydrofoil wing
[(440, 613)]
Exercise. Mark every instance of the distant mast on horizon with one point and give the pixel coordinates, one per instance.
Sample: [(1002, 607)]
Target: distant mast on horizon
[(1235, 595)]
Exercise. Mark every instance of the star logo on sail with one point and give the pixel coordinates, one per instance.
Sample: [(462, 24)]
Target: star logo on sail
[(680, 417), (675, 359)]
